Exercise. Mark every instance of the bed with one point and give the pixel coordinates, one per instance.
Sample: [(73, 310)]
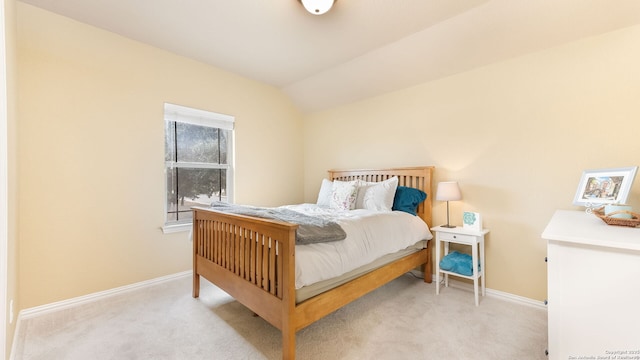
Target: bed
[(253, 260)]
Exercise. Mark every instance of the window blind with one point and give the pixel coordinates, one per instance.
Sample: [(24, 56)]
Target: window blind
[(187, 115)]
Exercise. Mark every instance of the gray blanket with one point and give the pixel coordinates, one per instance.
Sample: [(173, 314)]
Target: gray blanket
[(311, 229)]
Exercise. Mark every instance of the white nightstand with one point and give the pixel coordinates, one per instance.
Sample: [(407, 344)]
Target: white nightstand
[(463, 236)]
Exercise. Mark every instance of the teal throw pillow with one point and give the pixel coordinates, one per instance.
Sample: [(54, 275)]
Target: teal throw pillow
[(407, 199)]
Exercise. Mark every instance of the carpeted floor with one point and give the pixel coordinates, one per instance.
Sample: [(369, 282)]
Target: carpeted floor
[(402, 320)]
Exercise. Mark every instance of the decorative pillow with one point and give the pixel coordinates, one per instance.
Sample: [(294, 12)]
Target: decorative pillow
[(376, 195), (343, 195), (407, 199), (324, 195)]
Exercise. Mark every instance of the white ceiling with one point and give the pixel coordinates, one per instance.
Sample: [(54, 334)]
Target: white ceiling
[(361, 48)]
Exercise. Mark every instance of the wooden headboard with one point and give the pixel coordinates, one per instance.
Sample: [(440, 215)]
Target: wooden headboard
[(415, 177)]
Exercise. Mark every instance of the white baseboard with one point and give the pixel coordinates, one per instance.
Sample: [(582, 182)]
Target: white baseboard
[(500, 295), (81, 300), (491, 292)]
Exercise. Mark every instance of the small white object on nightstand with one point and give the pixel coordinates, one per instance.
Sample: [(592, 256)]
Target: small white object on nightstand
[(458, 235)]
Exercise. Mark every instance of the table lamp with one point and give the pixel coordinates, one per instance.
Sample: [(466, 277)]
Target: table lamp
[(448, 191)]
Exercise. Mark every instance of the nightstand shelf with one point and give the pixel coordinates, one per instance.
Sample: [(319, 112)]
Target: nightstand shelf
[(459, 235), (456, 274)]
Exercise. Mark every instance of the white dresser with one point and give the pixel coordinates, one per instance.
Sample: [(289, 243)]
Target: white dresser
[(593, 287)]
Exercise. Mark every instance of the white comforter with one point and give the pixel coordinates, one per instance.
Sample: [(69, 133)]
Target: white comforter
[(370, 235)]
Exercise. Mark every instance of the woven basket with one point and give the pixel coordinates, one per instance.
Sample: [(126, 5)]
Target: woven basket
[(633, 222)]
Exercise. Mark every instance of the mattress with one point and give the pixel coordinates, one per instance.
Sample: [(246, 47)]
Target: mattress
[(371, 235), (310, 291)]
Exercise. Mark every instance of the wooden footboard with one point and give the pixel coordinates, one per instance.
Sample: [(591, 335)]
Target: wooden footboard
[(253, 260), (249, 258)]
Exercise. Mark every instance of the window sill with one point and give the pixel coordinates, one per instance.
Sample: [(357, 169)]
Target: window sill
[(174, 228)]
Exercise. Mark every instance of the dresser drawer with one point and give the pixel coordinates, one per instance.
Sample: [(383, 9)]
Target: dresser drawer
[(464, 239)]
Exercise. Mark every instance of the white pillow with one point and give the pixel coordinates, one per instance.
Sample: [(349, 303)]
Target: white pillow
[(324, 195), (343, 195), (377, 195)]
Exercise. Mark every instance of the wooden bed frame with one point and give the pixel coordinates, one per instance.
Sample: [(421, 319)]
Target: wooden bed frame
[(253, 260)]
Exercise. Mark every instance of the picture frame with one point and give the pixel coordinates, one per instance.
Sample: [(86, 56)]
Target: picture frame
[(600, 187), (471, 220)]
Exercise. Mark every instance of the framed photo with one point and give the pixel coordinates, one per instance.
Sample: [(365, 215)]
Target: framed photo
[(471, 220), (604, 186)]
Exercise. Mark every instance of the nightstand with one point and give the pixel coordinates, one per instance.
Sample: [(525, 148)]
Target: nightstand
[(459, 235)]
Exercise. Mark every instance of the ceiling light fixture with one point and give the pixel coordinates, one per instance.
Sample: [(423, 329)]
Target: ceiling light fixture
[(317, 7)]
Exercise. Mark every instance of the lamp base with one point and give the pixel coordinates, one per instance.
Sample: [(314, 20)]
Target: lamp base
[(447, 226)]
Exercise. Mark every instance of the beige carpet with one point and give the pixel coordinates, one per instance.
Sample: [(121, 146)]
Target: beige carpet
[(402, 320)]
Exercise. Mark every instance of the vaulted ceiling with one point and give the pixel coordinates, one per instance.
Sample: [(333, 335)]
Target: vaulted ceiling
[(361, 48)]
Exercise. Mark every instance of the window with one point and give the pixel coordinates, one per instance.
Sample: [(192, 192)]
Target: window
[(198, 162)]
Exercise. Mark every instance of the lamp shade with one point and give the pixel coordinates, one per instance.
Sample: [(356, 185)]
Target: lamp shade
[(317, 7), (448, 191)]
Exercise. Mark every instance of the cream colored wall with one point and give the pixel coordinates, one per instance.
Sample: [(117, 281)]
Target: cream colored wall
[(91, 154), (12, 174), (516, 135)]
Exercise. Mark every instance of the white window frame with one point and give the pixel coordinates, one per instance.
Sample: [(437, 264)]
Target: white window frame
[(193, 116)]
